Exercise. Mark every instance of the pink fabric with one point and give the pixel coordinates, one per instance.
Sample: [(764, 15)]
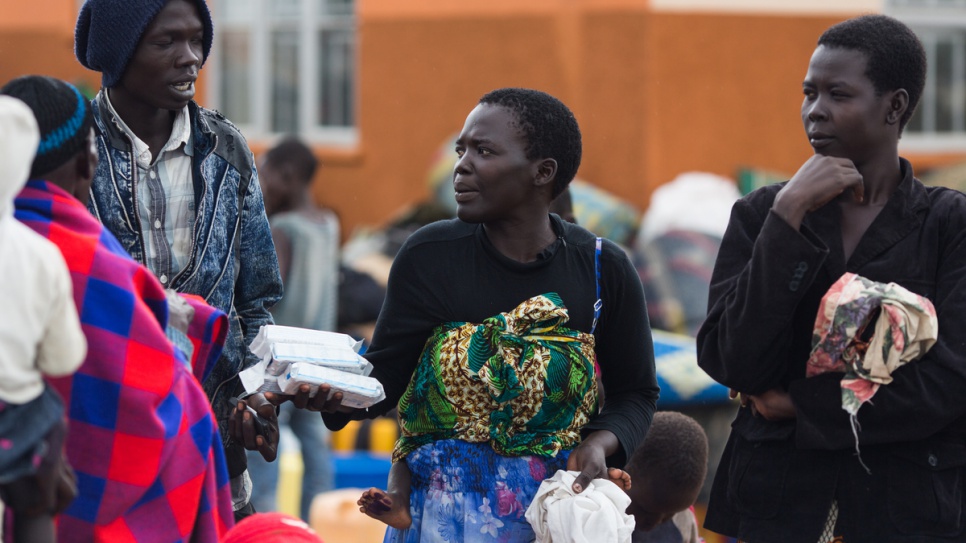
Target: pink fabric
[(271, 528)]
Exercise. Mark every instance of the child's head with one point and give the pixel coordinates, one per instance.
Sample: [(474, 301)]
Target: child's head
[(563, 205), (667, 470)]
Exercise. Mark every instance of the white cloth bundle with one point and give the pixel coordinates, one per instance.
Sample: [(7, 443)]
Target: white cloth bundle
[(558, 515)]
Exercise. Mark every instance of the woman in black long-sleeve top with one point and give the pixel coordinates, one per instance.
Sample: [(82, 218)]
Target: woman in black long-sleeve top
[(489, 333)]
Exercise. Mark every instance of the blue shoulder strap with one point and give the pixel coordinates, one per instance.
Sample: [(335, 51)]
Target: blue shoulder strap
[(599, 303)]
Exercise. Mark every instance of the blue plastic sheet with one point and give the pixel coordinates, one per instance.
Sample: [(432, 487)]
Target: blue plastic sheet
[(682, 381)]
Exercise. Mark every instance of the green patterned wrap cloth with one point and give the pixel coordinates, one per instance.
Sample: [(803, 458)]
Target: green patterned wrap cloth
[(521, 381)]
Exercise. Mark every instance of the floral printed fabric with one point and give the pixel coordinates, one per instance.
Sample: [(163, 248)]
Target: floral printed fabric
[(520, 381), (466, 492), (905, 329)]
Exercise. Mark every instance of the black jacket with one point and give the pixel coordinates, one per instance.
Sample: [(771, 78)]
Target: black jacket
[(776, 481)]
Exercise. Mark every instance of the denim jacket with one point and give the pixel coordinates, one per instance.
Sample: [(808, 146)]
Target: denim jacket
[(232, 263)]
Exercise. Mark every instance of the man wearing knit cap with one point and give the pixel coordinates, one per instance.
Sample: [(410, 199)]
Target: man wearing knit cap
[(177, 185)]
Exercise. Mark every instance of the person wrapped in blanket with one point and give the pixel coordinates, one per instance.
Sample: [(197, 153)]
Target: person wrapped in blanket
[(489, 332), (142, 437), (790, 471), (41, 336)]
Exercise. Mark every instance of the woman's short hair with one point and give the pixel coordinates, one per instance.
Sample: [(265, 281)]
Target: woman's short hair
[(549, 127), (894, 55)]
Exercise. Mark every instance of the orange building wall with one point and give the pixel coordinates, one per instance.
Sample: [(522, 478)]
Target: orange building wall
[(38, 37), (418, 81), (421, 72), (725, 92), (52, 14), (656, 93)]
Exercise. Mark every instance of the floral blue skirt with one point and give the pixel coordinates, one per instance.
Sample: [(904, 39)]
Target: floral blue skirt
[(466, 492)]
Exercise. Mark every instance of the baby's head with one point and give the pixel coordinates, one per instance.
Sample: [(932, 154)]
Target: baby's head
[(667, 470)]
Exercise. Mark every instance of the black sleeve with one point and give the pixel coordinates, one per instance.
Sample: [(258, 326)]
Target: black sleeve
[(764, 268), (625, 354)]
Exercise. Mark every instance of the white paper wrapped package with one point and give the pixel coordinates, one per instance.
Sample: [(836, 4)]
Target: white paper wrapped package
[(358, 391), (336, 357), (256, 379), (271, 334)]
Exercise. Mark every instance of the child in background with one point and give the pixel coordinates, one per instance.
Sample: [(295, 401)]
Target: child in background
[(668, 470), (41, 333)]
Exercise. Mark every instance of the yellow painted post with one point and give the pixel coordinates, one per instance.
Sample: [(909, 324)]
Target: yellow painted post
[(345, 439), (289, 493), (383, 435)]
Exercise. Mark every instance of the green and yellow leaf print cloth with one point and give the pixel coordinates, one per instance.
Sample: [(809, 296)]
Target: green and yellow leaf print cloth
[(521, 381)]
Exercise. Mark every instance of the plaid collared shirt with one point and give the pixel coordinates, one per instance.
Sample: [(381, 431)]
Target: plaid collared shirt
[(166, 198)]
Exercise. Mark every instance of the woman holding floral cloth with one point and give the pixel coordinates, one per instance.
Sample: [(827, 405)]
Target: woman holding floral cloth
[(789, 471)]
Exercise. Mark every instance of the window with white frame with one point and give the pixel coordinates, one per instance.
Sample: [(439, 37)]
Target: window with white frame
[(286, 66), (939, 123)]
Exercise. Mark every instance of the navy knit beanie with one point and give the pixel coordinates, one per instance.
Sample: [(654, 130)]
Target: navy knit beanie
[(63, 115), (108, 32)]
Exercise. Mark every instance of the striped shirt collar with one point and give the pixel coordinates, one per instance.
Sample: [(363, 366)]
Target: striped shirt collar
[(180, 135)]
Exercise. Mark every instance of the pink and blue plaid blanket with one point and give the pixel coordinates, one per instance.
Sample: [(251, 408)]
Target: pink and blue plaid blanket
[(142, 437)]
